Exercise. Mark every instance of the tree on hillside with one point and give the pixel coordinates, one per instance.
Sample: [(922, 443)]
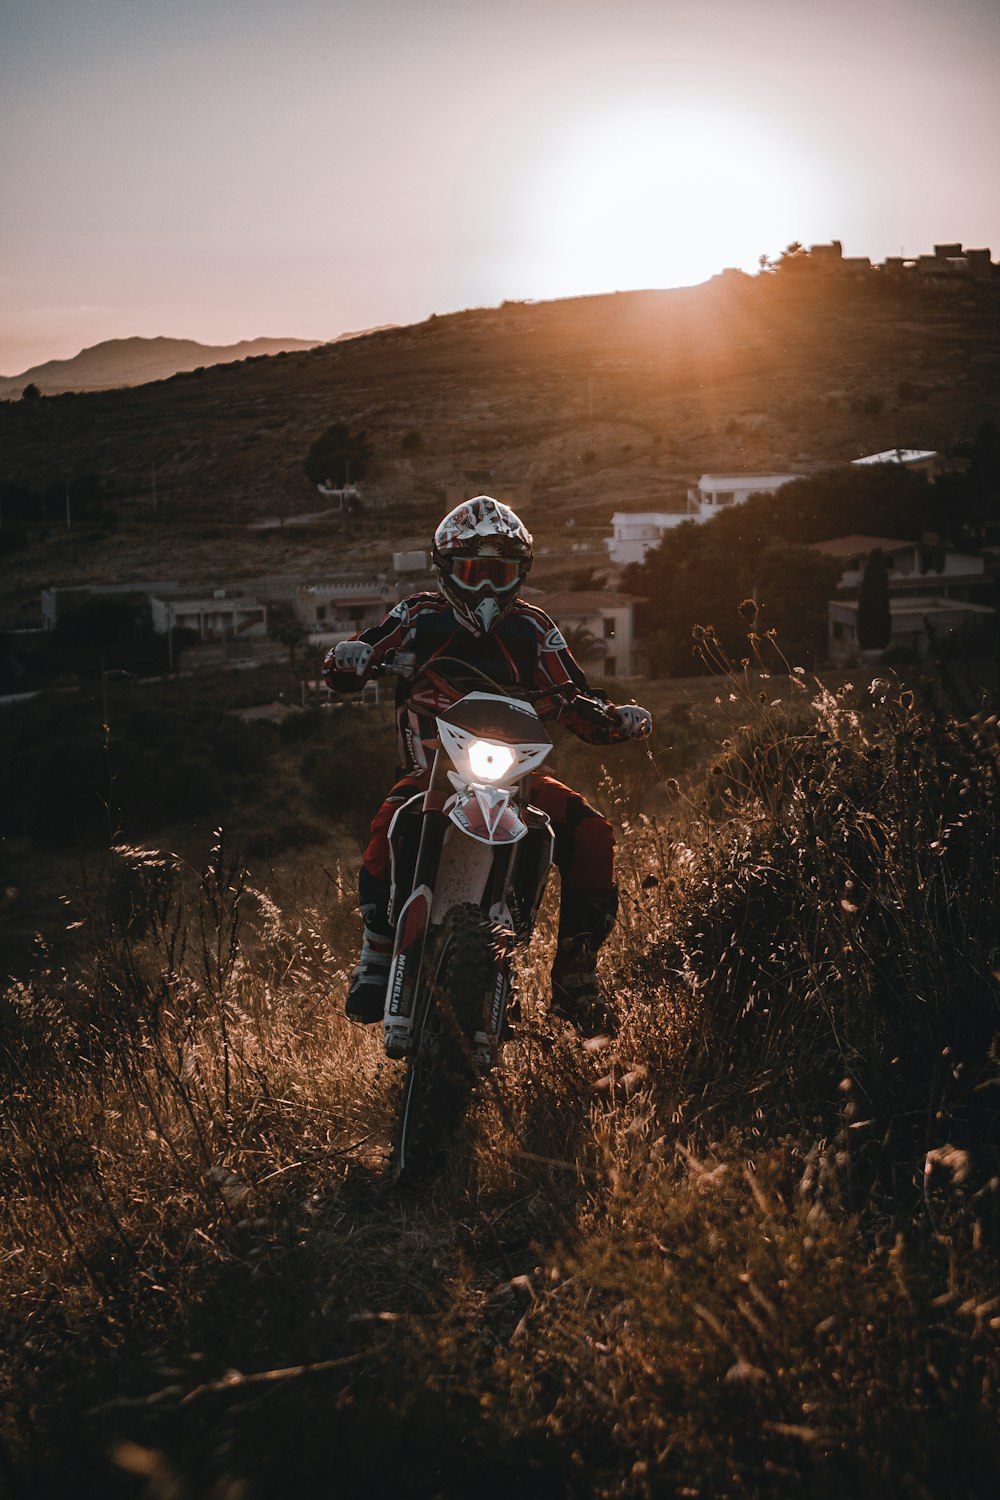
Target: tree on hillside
[(874, 619), (339, 456), (792, 586), (583, 643), (31, 392), (968, 502)]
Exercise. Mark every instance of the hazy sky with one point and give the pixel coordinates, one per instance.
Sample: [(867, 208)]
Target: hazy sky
[(222, 169)]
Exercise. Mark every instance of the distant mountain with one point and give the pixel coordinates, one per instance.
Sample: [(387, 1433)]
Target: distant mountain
[(122, 362)]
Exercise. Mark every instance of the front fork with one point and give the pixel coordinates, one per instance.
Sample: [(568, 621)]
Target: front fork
[(413, 920)]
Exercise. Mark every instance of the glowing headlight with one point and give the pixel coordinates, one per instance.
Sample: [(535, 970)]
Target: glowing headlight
[(488, 760)]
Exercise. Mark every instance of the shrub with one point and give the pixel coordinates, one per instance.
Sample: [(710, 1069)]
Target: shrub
[(354, 769), (338, 454), (838, 924)]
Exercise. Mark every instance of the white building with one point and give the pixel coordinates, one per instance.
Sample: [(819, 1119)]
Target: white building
[(406, 563), (918, 460), (219, 615), (913, 567), (599, 627), (339, 608), (718, 492), (634, 533)]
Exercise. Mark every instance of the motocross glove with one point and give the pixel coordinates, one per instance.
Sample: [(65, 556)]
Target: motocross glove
[(635, 722), (352, 656)]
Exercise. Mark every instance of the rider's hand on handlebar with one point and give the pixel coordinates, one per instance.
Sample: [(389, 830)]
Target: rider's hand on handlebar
[(635, 722), (352, 656), (401, 663)]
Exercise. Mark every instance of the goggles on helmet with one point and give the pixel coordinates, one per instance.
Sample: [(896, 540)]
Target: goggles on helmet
[(473, 572)]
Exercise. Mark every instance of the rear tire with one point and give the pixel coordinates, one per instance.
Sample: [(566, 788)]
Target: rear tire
[(452, 1006)]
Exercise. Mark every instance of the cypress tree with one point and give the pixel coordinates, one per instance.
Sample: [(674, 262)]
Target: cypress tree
[(874, 619)]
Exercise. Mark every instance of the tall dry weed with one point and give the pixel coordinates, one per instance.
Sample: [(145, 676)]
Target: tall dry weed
[(748, 1246)]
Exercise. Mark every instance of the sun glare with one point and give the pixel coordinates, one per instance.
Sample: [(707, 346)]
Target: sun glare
[(665, 196)]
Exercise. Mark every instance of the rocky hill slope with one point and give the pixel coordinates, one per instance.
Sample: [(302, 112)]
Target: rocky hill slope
[(584, 406)]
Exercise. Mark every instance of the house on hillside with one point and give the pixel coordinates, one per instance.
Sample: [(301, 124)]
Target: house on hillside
[(923, 567), (951, 263), (936, 593), (919, 623), (917, 460), (715, 493), (61, 603), (215, 615), (634, 533), (599, 627), (413, 567), (340, 607)]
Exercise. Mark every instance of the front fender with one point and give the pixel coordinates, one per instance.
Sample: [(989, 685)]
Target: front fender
[(485, 813), (463, 874)]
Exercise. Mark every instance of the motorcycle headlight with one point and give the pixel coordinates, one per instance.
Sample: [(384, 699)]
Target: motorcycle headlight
[(488, 760)]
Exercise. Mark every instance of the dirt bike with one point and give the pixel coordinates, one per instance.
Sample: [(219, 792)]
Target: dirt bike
[(470, 861)]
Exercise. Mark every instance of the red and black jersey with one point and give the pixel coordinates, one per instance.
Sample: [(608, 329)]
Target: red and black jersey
[(525, 650)]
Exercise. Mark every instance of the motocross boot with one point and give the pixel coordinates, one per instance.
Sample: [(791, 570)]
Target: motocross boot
[(366, 993), (585, 919), (576, 989)]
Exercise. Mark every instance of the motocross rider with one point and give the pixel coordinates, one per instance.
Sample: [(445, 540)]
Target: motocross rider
[(482, 553)]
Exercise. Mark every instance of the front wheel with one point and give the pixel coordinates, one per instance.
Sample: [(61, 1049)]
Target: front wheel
[(452, 1006)]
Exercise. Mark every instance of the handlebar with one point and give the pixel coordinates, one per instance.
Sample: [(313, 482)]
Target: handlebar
[(404, 664), (395, 664)]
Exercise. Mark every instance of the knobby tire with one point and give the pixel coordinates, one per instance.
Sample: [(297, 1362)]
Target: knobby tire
[(451, 1007)]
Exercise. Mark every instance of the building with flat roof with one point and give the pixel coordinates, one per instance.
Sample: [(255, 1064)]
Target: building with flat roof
[(214, 614), (717, 492), (599, 627), (634, 533), (919, 624), (913, 567), (918, 460)]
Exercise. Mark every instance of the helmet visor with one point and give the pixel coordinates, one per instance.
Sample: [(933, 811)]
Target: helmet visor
[(473, 572)]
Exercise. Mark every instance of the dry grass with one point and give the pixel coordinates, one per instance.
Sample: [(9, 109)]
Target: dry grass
[(748, 1248)]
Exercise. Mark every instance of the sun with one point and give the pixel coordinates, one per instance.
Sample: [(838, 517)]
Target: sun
[(664, 195)]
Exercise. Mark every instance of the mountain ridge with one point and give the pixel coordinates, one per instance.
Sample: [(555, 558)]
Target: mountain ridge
[(136, 360)]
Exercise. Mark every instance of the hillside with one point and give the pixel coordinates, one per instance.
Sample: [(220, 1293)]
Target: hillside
[(748, 1245), (135, 361), (591, 405)]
